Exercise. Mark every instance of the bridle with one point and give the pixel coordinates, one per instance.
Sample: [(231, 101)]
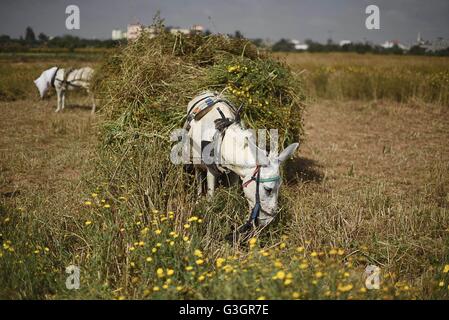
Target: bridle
[(257, 207)]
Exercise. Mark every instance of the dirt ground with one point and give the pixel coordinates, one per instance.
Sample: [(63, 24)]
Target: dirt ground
[(41, 151), (377, 141)]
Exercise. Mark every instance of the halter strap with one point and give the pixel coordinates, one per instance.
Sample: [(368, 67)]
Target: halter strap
[(256, 177)]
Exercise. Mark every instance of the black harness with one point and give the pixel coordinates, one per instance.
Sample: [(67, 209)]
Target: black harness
[(64, 81), (53, 78)]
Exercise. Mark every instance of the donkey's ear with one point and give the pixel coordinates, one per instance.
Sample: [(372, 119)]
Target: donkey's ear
[(287, 152)]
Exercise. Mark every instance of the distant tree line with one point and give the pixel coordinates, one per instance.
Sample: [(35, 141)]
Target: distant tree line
[(285, 45), (8, 44)]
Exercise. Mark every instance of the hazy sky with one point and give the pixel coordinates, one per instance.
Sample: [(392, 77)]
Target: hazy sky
[(297, 19)]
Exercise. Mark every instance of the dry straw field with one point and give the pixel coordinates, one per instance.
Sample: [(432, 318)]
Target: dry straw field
[(369, 185)]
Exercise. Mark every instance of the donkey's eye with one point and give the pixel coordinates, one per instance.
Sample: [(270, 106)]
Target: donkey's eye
[(268, 190)]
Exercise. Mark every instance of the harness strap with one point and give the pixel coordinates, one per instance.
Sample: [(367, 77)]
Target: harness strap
[(64, 81), (257, 207), (221, 125), (254, 177), (196, 103), (54, 77)]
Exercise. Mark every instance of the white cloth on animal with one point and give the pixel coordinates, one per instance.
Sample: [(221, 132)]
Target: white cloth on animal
[(78, 77), (44, 81)]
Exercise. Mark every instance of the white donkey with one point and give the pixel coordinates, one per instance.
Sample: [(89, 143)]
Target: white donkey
[(63, 80), (214, 124)]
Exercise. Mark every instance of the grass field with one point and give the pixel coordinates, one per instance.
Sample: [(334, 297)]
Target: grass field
[(370, 186)]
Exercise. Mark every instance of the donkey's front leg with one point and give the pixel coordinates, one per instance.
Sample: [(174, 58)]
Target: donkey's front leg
[(210, 184), (93, 105), (199, 181), (93, 100), (63, 99), (58, 96)]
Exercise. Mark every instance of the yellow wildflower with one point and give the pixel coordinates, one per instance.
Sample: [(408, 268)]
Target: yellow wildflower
[(344, 288), (278, 264), (160, 272), (279, 275), (220, 261), (252, 242), (303, 266), (198, 253), (199, 261)]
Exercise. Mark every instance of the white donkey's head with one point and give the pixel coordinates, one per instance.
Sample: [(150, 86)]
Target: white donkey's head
[(43, 83), (263, 182)]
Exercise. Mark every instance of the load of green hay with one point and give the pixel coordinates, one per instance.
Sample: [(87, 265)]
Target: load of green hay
[(148, 83), (144, 89)]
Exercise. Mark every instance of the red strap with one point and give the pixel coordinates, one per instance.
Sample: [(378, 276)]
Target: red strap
[(253, 177)]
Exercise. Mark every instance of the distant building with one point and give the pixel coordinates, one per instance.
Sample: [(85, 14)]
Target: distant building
[(435, 45), (196, 28), (419, 40), (392, 43), (345, 42), (118, 34), (179, 31), (134, 30), (298, 45)]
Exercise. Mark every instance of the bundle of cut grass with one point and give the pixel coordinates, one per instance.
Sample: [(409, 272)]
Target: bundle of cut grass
[(147, 84), (145, 87)]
